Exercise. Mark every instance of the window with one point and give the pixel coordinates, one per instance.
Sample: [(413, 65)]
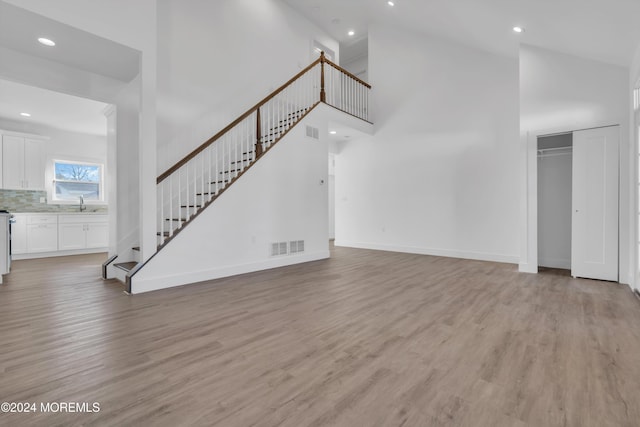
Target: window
[(74, 179)]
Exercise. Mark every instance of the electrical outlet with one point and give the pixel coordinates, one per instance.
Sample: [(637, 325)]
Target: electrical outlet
[(43, 200)]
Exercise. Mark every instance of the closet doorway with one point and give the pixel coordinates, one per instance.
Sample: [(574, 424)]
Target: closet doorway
[(578, 202), (555, 155)]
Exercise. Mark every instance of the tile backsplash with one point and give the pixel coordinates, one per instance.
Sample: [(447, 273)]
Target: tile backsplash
[(16, 201)]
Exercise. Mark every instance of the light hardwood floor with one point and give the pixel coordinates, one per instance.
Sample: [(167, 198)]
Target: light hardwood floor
[(363, 339)]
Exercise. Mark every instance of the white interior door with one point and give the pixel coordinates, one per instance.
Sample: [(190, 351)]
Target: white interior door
[(594, 231)]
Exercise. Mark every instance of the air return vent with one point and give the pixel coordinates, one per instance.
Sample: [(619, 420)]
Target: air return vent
[(313, 132), (296, 246), (279, 248)]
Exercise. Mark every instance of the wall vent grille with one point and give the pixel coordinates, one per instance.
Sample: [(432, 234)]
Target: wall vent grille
[(313, 132), (296, 246), (279, 248)]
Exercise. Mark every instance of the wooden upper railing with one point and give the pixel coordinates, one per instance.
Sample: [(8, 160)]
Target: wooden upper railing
[(194, 182), (320, 60)]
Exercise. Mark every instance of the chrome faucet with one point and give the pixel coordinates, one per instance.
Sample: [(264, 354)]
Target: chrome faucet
[(82, 206)]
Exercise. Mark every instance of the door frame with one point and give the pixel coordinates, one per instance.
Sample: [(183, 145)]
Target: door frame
[(635, 200), (529, 199)]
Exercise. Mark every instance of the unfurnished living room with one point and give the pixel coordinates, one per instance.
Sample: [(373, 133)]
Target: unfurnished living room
[(319, 213)]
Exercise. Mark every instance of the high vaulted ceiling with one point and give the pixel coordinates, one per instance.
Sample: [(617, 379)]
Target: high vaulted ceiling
[(603, 30)]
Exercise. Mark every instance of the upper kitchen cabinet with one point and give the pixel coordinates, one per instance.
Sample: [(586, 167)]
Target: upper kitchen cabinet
[(22, 163)]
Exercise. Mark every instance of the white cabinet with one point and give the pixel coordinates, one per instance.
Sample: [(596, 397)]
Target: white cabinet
[(34, 233), (12, 161), (33, 165), (22, 165), (19, 234), (71, 236), (98, 235), (82, 232), (42, 233)]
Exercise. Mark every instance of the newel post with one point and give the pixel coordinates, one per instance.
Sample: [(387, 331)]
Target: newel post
[(258, 134), (323, 95)]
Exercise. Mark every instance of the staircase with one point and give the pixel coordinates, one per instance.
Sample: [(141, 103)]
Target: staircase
[(195, 182)]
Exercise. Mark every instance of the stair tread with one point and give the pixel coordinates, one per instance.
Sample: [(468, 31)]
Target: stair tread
[(126, 266), (176, 219), (285, 125), (298, 112), (191, 206)]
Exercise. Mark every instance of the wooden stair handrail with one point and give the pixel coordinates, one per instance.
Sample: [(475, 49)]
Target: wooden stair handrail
[(217, 136), (321, 60), (339, 68)]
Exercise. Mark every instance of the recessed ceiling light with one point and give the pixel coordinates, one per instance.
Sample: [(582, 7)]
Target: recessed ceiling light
[(25, 114), (351, 33), (333, 132), (46, 42), (518, 29), (390, 3)]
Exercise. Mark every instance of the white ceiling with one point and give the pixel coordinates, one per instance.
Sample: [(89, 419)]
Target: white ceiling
[(77, 49), (20, 30), (52, 109), (604, 30)]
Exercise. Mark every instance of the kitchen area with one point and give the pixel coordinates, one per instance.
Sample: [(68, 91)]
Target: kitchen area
[(52, 175)]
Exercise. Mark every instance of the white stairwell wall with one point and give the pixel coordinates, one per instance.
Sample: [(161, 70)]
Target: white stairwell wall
[(282, 198), (207, 81)]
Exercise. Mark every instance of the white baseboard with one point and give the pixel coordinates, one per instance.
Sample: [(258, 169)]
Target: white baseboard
[(525, 267), (148, 284), (480, 256)]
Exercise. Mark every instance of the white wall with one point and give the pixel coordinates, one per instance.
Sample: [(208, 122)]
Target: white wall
[(283, 197), (127, 156), (559, 93), (39, 72), (359, 67), (440, 174), (219, 58), (634, 123), (102, 17)]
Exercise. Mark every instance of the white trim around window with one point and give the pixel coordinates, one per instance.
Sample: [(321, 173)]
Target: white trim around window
[(74, 178)]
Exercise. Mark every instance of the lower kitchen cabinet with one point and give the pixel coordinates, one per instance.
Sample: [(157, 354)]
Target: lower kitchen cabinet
[(47, 233), (42, 238), (71, 236), (97, 235), (42, 233), (79, 232), (19, 234)]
